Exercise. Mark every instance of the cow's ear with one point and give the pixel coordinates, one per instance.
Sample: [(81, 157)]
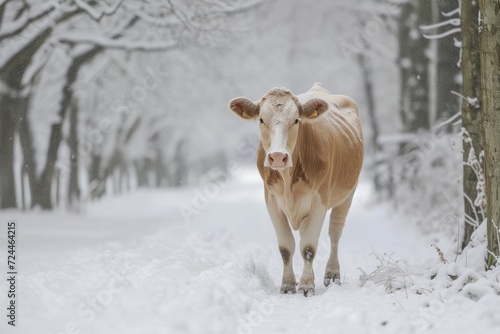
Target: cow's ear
[(314, 108), (244, 108)]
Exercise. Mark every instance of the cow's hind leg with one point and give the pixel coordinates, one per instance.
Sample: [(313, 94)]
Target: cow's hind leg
[(309, 236), (286, 244), (337, 222)]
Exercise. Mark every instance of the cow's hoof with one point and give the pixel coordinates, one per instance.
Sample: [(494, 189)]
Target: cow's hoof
[(288, 289), (307, 290), (329, 278)]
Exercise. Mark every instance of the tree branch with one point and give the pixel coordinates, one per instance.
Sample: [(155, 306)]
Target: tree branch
[(23, 25), (115, 43), (95, 14), (244, 9), (23, 55), (3, 4), (444, 34)]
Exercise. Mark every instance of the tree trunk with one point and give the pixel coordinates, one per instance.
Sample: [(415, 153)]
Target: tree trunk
[(44, 189), (58, 186), (26, 139), (159, 169), (13, 107), (73, 185), (97, 187), (366, 73), (8, 123), (490, 85), (179, 165), (471, 116), (142, 171)]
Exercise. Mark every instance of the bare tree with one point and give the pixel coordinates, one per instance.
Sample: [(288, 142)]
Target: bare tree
[(25, 27), (29, 28)]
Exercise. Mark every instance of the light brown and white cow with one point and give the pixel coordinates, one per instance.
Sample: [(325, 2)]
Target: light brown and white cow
[(309, 157)]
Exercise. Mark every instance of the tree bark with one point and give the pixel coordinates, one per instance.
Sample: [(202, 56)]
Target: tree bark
[(471, 116), (490, 85), (73, 185), (96, 186), (8, 124), (26, 139)]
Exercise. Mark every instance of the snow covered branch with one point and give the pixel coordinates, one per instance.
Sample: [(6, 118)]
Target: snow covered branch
[(95, 14), (444, 34), (115, 43), (34, 35), (453, 22), (243, 9), (19, 25), (2, 11)]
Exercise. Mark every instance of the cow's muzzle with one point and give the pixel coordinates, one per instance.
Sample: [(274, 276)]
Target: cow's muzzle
[(277, 160)]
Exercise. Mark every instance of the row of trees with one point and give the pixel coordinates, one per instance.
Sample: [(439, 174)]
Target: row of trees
[(474, 52), (82, 86), (48, 49), (477, 23), (448, 59)]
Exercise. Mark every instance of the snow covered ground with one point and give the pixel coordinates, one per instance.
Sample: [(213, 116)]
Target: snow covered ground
[(138, 264)]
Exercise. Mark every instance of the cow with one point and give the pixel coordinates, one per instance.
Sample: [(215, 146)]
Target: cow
[(309, 157)]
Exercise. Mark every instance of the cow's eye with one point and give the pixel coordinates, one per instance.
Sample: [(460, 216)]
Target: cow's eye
[(261, 121), (296, 121)]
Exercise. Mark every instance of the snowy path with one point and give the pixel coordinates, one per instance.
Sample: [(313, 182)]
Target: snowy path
[(131, 264)]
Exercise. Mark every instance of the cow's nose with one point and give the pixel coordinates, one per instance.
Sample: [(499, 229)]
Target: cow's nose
[(278, 159)]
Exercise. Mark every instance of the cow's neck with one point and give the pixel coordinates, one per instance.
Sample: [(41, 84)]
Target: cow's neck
[(295, 205), (291, 175)]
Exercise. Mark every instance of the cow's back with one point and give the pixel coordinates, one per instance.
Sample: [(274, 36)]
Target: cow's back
[(331, 148)]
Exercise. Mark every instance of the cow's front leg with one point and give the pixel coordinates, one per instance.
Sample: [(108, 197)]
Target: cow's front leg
[(309, 235), (337, 222), (286, 244)]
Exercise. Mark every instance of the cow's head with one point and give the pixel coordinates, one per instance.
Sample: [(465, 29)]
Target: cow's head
[(280, 114)]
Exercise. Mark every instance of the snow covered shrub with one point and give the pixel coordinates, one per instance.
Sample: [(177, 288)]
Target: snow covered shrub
[(390, 272), (425, 175), (466, 276)]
